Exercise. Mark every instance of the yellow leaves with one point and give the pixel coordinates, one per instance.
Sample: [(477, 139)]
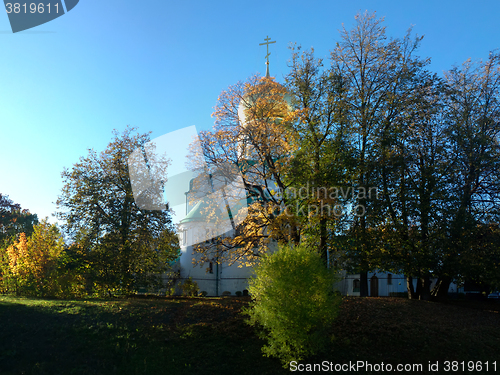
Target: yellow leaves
[(34, 255), (251, 131), (17, 253)]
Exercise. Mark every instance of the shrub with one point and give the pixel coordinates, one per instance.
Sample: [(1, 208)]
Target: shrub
[(189, 287), (238, 293), (293, 302), (226, 293), (203, 293)]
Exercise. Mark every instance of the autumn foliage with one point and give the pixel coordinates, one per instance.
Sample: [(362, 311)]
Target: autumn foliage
[(35, 264), (372, 117), (250, 134)]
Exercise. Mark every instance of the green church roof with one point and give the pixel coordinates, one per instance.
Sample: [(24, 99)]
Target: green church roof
[(197, 213)]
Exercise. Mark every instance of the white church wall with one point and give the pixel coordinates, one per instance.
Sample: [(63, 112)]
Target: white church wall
[(216, 278), (387, 285)]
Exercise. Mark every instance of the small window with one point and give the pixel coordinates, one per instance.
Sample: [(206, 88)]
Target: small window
[(184, 236), (389, 279), (211, 268), (355, 286)]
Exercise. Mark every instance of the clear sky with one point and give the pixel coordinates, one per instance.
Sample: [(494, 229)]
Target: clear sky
[(160, 65)]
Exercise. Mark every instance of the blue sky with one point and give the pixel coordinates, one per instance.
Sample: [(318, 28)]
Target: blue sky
[(160, 65)]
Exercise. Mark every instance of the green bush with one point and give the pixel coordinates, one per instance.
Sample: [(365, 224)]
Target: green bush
[(293, 302), (189, 287), (238, 293)]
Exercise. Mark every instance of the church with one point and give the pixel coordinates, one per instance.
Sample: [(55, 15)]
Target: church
[(218, 278)]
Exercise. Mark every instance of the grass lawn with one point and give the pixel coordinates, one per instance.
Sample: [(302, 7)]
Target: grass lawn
[(209, 336)]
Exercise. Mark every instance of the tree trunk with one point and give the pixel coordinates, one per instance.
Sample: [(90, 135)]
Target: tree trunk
[(418, 289), (440, 290), (323, 240), (409, 287), (425, 293), (295, 235), (363, 281)]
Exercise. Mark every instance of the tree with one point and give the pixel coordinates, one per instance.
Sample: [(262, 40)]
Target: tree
[(124, 246), (319, 162), (413, 165), (377, 78), (472, 125), (31, 264), (14, 222), (250, 138), (13, 219), (440, 179)]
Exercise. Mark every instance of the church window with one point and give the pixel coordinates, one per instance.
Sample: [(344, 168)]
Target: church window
[(211, 268), (355, 286), (389, 279)]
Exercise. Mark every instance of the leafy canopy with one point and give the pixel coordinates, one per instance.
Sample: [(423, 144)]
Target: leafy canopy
[(123, 246)]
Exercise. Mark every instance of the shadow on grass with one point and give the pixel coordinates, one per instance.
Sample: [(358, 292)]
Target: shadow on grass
[(209, 336), (128, 337)]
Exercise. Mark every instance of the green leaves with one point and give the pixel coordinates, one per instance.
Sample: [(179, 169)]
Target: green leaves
[(122, 246), (293, 301)]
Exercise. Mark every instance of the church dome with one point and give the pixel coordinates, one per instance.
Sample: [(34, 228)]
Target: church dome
[(265, 100)]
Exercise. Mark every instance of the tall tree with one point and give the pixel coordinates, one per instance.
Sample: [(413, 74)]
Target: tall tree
[(377, 75), (413, 166), (125, 245), (473, 129), (441, 181), (250, 135), (319, 162)]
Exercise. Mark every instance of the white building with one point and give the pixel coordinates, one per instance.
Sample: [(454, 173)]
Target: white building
[(213, 277)]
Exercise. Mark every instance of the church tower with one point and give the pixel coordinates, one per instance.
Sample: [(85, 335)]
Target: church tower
[(261, 110)]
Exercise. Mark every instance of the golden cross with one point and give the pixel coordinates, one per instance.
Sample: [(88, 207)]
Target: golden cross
[(267, 43)]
